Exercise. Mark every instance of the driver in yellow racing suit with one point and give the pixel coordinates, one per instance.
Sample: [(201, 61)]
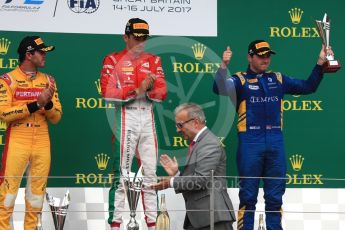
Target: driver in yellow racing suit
[(28, 99)]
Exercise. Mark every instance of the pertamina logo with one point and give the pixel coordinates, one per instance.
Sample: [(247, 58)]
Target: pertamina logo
[(83, 6), (294, 31), (2, 130), (93, 102), (6, 63), (102, 161), (198, 50), (297, 178)]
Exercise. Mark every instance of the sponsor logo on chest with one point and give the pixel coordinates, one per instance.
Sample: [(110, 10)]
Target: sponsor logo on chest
[(127, 69), (254, 99), (146, 65), (253, 87), (27, 93)]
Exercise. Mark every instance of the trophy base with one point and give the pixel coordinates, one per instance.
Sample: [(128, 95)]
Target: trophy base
[(331, 66), (133, 226)]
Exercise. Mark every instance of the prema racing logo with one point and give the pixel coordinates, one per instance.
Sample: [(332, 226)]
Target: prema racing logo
[(83, 6)]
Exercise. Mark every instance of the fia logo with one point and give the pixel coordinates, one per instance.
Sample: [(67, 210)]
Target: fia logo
[(83, 6), (30, 2)]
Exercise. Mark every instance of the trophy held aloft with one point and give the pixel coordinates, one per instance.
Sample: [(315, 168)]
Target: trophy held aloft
[(324, 27)]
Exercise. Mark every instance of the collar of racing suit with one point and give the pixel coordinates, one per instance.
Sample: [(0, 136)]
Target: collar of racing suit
[(251, 74), (28, 75), (130, 56)]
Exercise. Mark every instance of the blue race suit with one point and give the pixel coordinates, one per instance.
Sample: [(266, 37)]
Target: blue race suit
[(261, 146)]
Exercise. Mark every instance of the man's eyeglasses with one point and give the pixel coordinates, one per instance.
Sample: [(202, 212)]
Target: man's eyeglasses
[(180, 125)]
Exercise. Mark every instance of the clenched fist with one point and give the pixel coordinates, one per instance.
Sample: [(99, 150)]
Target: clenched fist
[(323, 54)]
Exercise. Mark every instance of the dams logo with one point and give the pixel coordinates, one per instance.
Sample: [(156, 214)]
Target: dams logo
[(301, 179), (198, 50), (6, 63), (102, 161), (294, 31)]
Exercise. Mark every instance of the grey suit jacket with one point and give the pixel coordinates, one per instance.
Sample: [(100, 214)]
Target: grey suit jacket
[(207, 154)]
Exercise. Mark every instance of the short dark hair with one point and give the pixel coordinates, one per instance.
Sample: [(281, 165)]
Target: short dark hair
[(23, 55)]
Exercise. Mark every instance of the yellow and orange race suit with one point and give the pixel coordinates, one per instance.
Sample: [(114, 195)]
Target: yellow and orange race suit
[(27, 146)]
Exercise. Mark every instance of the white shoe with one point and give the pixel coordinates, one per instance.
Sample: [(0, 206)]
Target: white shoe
[(115, 228)]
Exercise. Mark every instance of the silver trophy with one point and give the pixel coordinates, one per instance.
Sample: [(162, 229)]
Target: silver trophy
[(324, 28), (133, 185), (59, 209)]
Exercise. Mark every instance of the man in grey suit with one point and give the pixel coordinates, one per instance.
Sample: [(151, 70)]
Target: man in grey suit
[(205, 154)]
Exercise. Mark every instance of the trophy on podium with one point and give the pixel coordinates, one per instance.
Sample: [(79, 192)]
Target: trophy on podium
[(59, 210), (133, 185), (324, 28)]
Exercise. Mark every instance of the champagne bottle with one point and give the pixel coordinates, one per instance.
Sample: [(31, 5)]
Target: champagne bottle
[(261, 222), (163, 220)]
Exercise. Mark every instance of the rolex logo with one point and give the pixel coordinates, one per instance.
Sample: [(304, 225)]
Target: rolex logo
[(98, 86), (296, 162), (2, 126), (102, 161), (199, 51), (296, 15), (4, 45)]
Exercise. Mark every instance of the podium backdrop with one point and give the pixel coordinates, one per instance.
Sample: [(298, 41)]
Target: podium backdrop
[(81, 142)]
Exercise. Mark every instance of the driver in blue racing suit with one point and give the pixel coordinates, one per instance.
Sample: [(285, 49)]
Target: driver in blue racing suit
[(259, 100)]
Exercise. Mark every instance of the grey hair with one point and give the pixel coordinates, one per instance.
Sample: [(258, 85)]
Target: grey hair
[(193, 111)]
